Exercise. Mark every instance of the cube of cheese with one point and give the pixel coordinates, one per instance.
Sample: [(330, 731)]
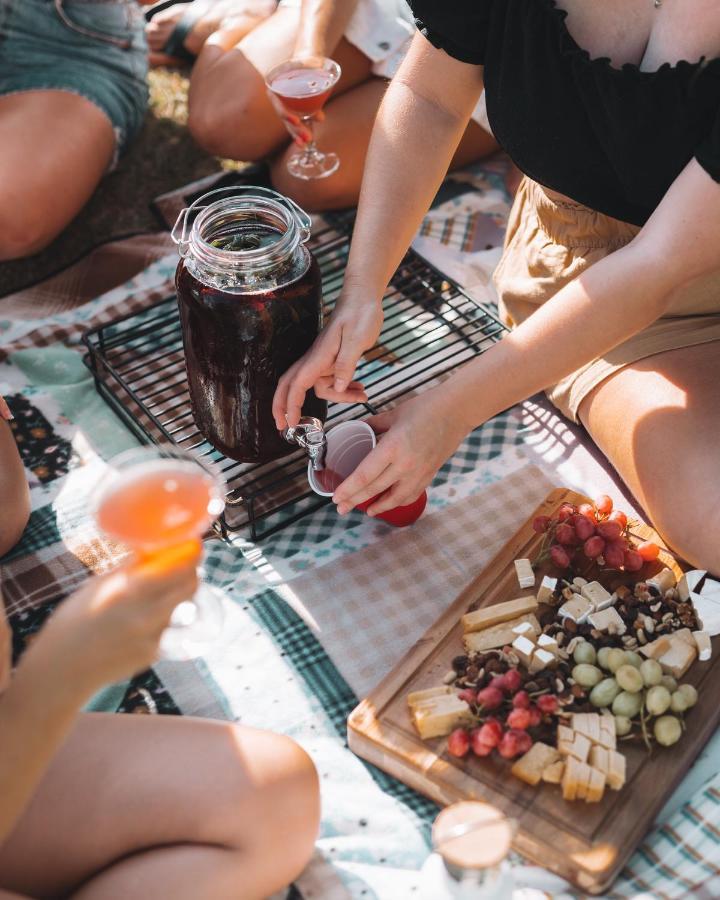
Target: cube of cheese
[(524, 648), (595, 593), (545, 642), (530, 767), (576, 609), (565, 734), (546, 589), (664, 580), (704, 647), (600, 759), (526, 629), (496, 636), (678, 659), (541, 660), (596, 787), (480, 619), (656, 648), (608, 620), (554, 772), (525, 574)]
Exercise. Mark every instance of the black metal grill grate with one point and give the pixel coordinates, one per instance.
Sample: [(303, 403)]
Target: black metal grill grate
[(431, 327)]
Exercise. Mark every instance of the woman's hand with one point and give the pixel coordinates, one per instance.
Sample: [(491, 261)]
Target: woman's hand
[(330, 363), (417, 438), (110, 628)]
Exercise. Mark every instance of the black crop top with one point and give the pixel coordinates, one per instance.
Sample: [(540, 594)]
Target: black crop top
[(611, 139)]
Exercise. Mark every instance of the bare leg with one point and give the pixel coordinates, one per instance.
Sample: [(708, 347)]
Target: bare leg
[(346, 131), (658, 422), (14, 494), (135, 807), (240, 15), (47, 139), (230, 113)]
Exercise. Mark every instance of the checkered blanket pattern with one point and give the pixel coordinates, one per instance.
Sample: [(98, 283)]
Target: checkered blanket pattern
[(274, 666)]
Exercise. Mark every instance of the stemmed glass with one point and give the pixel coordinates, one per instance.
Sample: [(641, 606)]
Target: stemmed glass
[(155, 498), (298, 89)]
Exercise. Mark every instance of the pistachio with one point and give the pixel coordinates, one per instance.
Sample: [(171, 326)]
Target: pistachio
[(648, 624), (450, 677), (668, 617), (641, 636)]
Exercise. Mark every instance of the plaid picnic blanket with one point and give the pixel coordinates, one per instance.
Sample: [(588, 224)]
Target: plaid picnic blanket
[(300, 647)]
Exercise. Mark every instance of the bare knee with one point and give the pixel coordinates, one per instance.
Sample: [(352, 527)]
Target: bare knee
[(315, 196), (23, 231), (234, 123), (691, 526), (279, 820)]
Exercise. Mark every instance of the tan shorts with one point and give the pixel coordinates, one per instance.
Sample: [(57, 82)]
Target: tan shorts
[(550, 240)]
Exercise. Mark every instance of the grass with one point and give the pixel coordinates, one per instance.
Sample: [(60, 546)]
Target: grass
[(162, 158)]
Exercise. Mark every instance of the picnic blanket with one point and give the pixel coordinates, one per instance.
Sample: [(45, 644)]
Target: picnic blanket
[(320, 611)]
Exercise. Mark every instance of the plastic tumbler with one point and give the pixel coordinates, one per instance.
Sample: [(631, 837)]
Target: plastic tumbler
[(347, 446)]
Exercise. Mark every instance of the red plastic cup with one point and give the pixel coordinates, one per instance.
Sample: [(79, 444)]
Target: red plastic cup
[(347, 446)]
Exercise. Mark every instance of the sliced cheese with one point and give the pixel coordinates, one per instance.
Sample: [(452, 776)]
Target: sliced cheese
[(587, 724), (530, 767), (595, 593), (596, 786), (656, 648), (608, 733), (704, 647), (554, 773), (617, 770), (415, 697), (526, 629), (547, 589), (525, 574), (497, 636), (440, 719), (707, 610), (480, 619), (600, 759), (609, 620), (579, 748)]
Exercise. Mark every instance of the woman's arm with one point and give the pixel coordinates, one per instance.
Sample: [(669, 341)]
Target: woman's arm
[(108, 630), (418, 127), (322, 24), (611, 301)]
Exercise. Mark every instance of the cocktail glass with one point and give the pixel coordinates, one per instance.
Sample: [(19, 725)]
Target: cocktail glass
[(155, 498), (298, 90)]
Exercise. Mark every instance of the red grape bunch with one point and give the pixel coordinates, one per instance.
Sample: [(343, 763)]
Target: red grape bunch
[(595, 531)]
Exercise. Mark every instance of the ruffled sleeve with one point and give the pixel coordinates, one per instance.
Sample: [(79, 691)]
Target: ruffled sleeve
[(459, 27), (708, 153)]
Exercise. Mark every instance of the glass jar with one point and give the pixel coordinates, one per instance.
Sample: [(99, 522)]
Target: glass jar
[(250, 298)]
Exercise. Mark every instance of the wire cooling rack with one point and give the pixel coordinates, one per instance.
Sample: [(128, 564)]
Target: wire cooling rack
[(431, 327)]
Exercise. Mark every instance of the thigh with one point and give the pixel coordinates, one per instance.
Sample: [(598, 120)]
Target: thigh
[(54, 148), (658, 422), (122, 784)]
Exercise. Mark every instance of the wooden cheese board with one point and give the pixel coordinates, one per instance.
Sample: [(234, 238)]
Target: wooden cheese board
[(586, 844)]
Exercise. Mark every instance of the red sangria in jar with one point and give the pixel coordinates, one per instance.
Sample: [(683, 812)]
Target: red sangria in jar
[(250, 299)]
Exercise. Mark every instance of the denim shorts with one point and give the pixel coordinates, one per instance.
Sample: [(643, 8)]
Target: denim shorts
[(94, 48)]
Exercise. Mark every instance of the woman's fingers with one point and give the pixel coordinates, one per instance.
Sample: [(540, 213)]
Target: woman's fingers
[(5, 412), (364, 480), (403, 492), (325, 389)]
